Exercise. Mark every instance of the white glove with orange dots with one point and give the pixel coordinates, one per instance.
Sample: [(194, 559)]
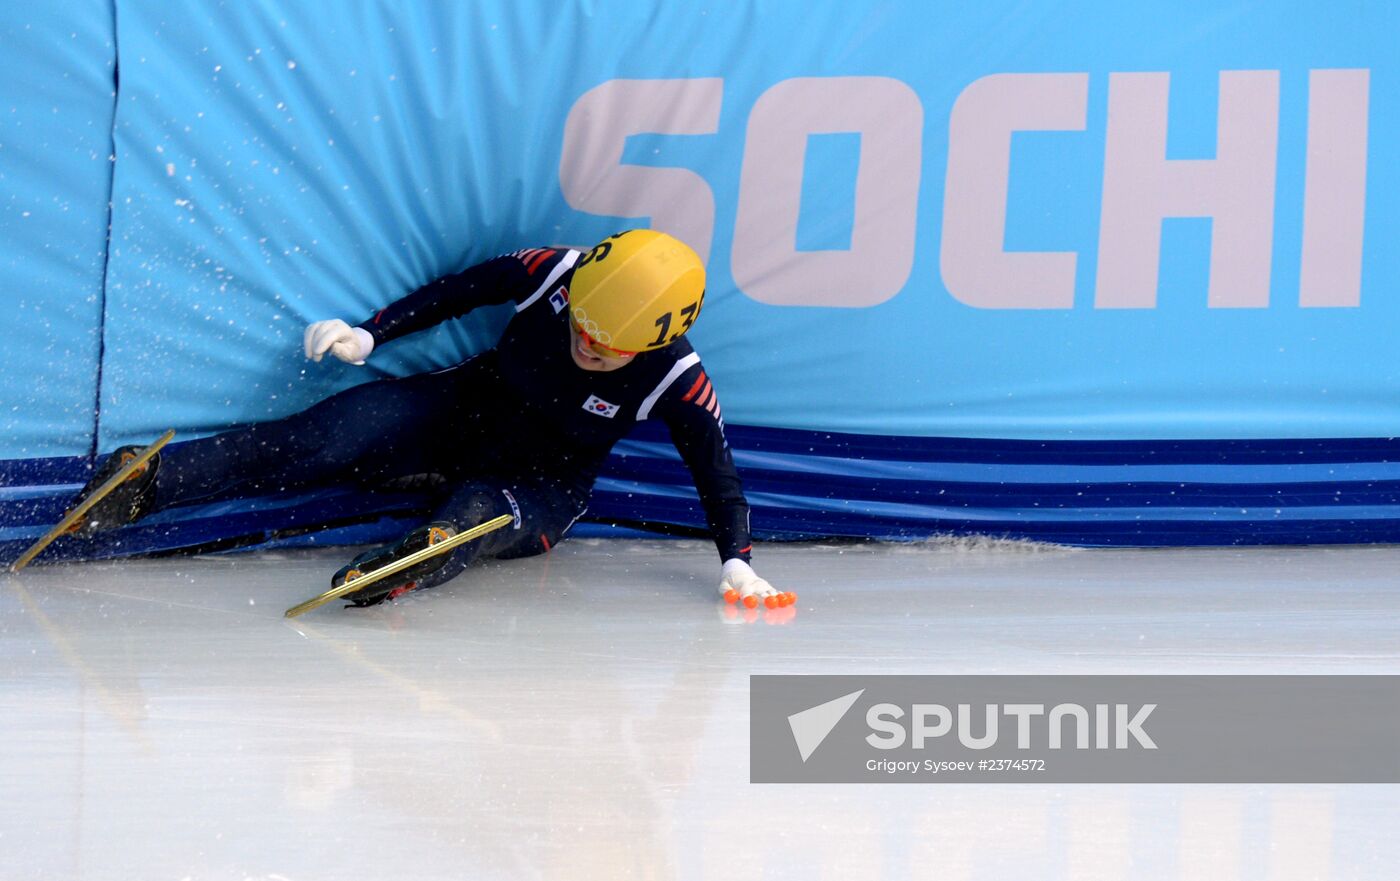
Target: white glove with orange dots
[(350, 344), (738, 583)]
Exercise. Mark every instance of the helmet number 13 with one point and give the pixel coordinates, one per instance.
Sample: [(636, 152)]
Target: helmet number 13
[(664, 324)]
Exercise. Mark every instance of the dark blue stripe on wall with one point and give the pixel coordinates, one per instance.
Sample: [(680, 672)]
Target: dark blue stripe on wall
[(1068, 452), (1026, 495), (798, 524), (35, 472), (818, 484)]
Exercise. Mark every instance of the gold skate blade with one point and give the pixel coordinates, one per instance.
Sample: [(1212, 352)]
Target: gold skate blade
[(93, 498), (397, 566)]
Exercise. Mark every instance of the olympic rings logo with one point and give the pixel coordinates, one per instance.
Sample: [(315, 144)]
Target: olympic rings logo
[(590, 327)]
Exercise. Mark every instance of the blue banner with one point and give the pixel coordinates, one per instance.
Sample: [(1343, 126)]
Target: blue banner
[(1073, 220), (1061, 222)]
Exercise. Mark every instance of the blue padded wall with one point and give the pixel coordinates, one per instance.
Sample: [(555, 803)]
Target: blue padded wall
[(1088, 271)]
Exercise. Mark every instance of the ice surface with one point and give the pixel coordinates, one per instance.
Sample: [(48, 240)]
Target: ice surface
[(585, 715)]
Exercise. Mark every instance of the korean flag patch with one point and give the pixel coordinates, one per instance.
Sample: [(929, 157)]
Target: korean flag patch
[(600, 407), (559, 299)]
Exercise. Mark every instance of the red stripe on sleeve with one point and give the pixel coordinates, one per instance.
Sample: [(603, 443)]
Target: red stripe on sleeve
[(538, 259), (695, 388)]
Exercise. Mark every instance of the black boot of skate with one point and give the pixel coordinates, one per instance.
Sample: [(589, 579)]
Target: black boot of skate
[(127, 503), (395, 586)]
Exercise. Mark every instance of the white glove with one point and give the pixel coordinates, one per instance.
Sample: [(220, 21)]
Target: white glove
[(350, 344), (738, 582)]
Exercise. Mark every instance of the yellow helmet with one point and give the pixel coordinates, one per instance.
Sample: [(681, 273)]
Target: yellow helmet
[(637, 291)]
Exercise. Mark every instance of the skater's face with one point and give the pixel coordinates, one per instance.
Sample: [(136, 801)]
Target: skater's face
[(591, 356)]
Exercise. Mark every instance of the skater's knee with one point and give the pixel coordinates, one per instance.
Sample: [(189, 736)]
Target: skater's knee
[(476, 506)]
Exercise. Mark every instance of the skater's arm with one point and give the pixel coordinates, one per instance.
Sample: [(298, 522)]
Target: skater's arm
[(690, 409), (692, 413), (452, 296), (511, 277), (693, 417)]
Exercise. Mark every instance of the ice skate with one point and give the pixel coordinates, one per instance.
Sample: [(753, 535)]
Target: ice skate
[(397, 585), (125, 503), (121, 491), (399, 566)]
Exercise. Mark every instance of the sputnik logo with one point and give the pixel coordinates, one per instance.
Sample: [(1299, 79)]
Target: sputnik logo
[(811, 726)]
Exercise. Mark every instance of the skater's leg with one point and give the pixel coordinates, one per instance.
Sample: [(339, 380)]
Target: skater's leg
[(384, 428), (541, 511)]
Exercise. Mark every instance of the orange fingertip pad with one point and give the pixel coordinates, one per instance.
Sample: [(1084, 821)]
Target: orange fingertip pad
[(731, 596)]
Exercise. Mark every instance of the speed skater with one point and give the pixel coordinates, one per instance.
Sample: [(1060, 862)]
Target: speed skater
[(596, 345)]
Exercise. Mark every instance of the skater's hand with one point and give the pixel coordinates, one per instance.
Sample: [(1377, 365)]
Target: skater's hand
[(738, 583), (350, 344)]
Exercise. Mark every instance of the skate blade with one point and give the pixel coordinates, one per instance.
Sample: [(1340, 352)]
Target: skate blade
[(397, 566), (96, 496)]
